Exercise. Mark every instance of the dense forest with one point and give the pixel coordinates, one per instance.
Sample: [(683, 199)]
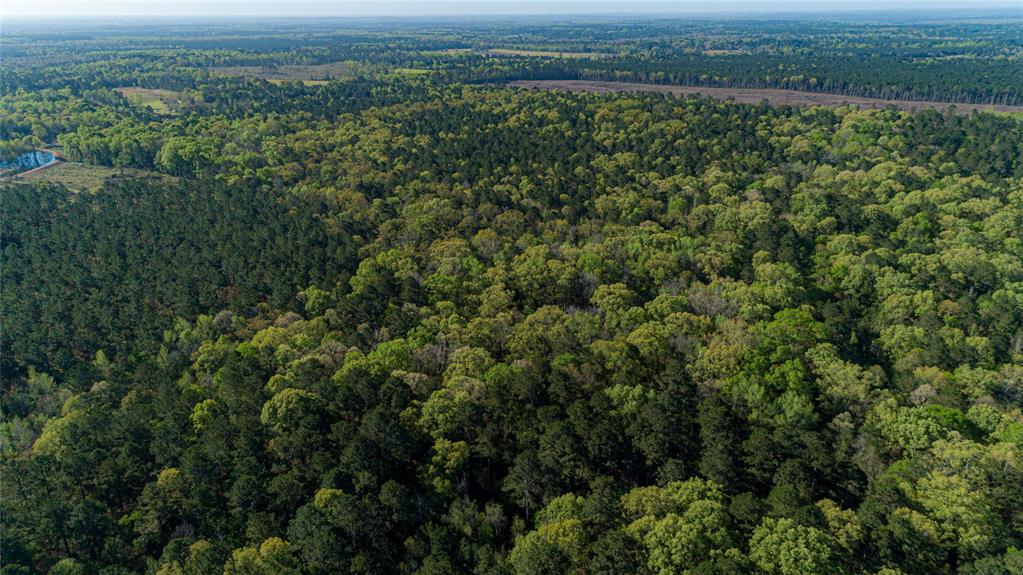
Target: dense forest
[(344, 304), (969, 61)]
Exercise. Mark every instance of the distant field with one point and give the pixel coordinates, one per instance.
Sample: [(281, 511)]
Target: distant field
[(81, 177), (306, 82), (723, 52), (412, 71), (309, 74), (507, 52), (161, 101), (755, 95), (513, 52), (447, 52)]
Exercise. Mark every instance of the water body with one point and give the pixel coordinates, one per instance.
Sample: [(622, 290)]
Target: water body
[(29, 160)]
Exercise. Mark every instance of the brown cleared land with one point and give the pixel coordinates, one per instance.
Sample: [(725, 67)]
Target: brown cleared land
[(755, 95)]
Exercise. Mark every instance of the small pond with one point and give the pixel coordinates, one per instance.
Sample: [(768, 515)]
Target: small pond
[(29, 160)]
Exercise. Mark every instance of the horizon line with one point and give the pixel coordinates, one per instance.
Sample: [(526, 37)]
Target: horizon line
[(254, 10), (615, 13)]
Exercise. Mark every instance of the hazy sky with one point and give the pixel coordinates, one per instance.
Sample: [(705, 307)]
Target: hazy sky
[(449, 7)]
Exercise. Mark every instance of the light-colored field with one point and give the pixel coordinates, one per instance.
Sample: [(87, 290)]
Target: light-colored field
[(448, 52), (279, 81), (309, 74), (723, 52), (81, 177), (756, 95), (161, 101), (412, 71), (545, 54)]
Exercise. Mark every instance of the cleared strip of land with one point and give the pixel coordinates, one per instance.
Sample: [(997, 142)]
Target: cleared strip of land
[(756, 95)]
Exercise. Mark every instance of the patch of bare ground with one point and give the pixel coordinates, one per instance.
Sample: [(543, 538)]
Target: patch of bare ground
[(775, 97)]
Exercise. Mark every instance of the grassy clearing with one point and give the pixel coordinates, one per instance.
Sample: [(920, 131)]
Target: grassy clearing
[(82, 177), (546, 54), (411, 71), (724, 52), (280, 81), (160, 101), (448, 52), (309, 74)]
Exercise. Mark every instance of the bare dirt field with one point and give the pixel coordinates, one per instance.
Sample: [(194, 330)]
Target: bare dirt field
[(755, 95)]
